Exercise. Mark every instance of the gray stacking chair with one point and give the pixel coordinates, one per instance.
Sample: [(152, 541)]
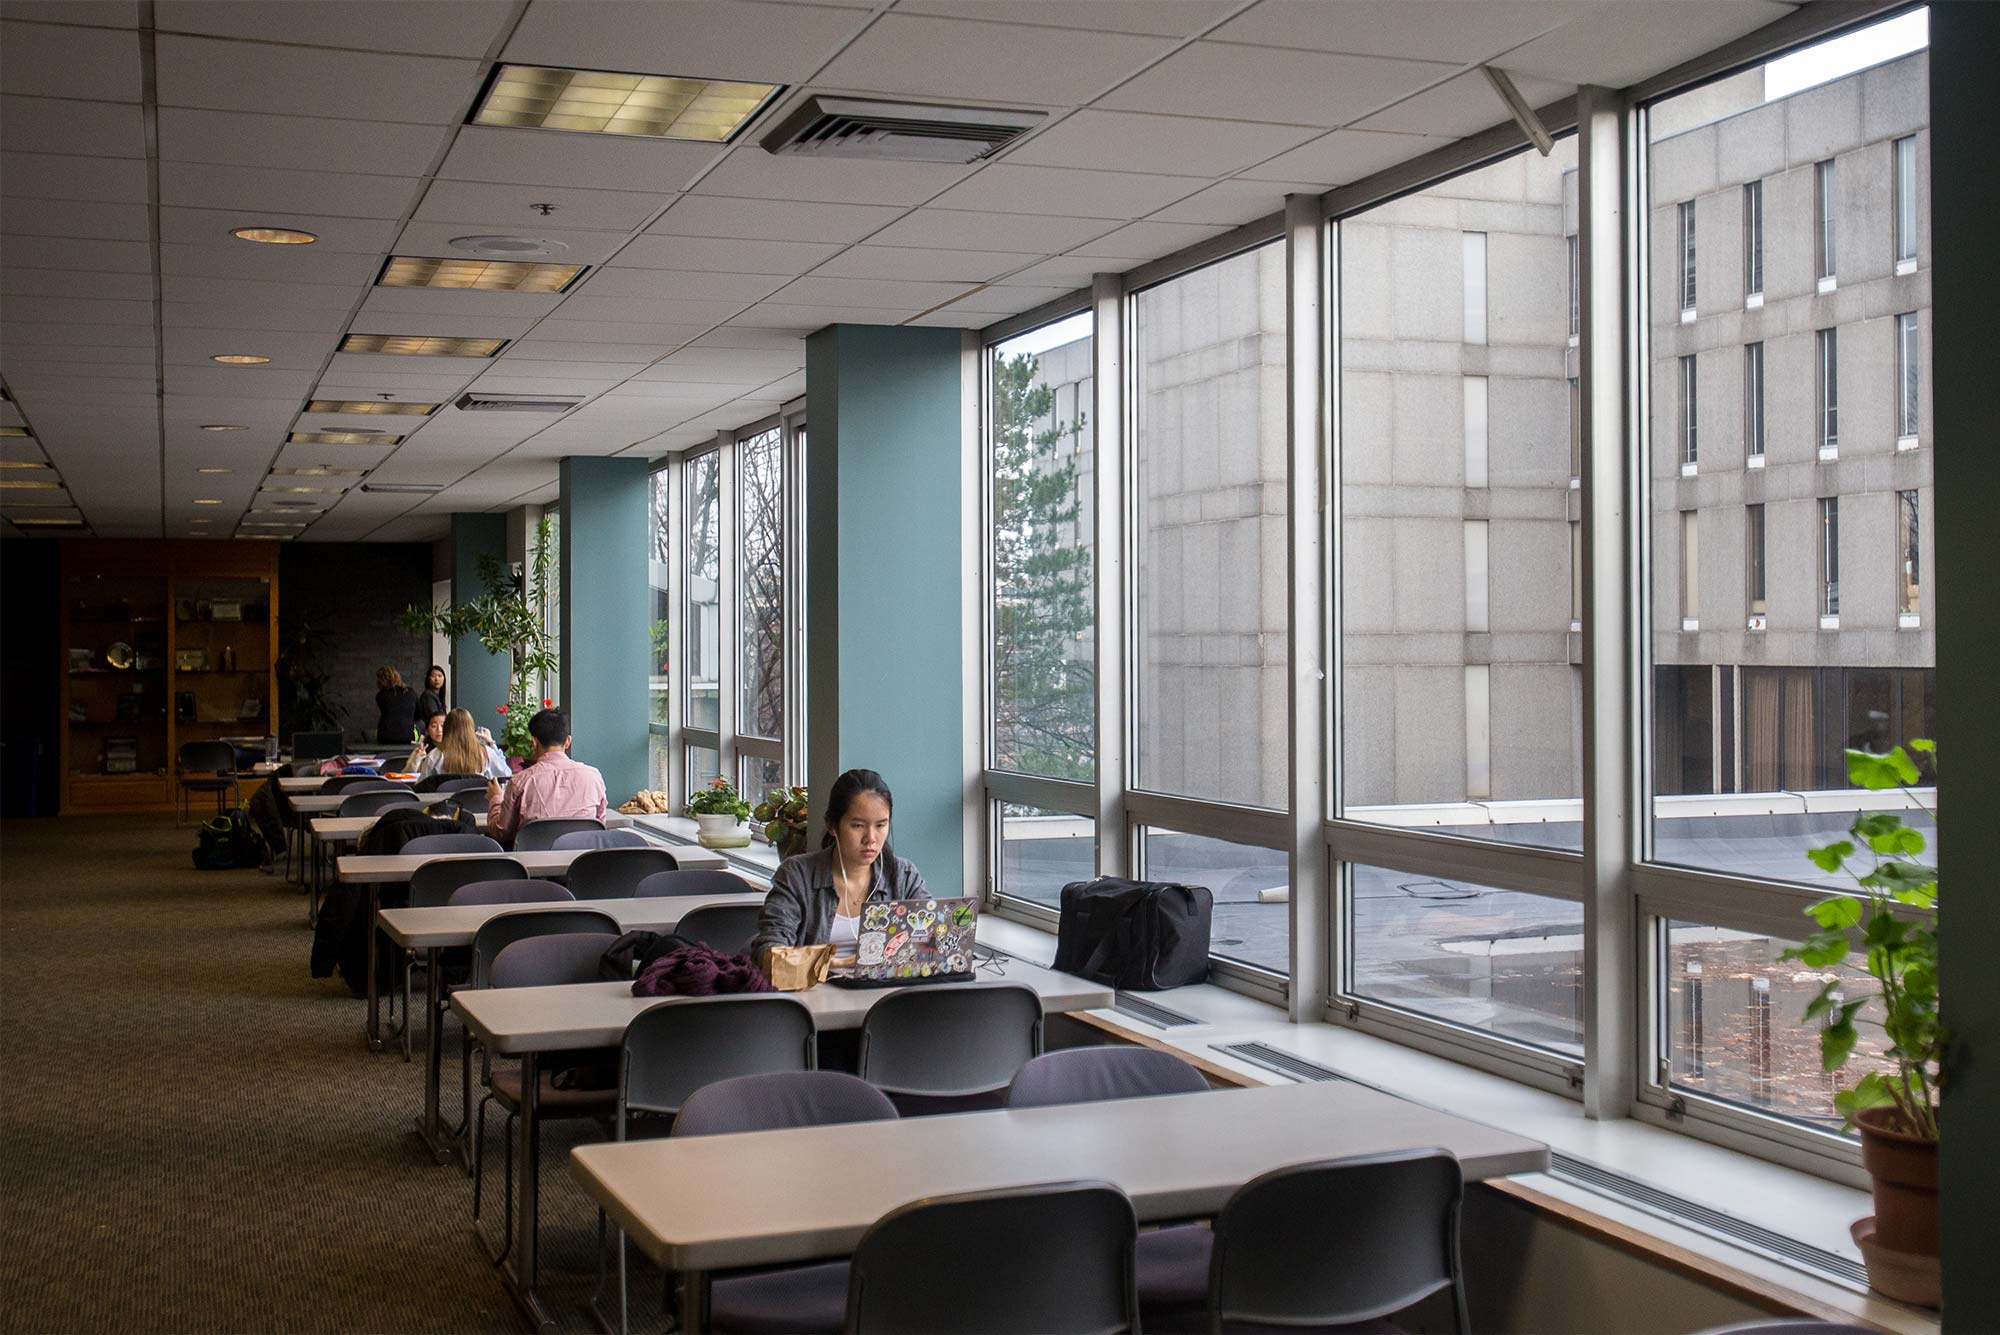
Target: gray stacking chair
[(360, 783), (467, 799), (724, 928), (615, 873), (1068, 1263), (478, 893), (540, 835), (206, 767), (432, 885), (950, 1047), (452, 843), (1172, 1262), (1339, 1242), (691, 881), (375, 801), (603, 839)]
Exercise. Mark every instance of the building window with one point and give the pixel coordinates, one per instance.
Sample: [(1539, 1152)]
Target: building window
[(1906, 376), (1251, 922), (701, 671), (1575, 575), (1041, 851), (1476, 617), (1823, 254), (1753, 401), (659, 582), (1689, 407), (1827, 372), (1575, 287), (1753, 521), (1475, 430), (1909, 587), (1687, 255), (1474, 247), (1690, 570), (1906, 200), (1829, 556), (1753, 239), (760, 585)]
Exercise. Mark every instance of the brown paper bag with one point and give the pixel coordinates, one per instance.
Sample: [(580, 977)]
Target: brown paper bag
[(796, 968)]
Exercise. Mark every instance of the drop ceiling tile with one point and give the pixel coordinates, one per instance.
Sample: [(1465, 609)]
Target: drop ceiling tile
[(62, 125), (588, 161), (1148, 240), (1462, 106), (494, 382), (953, 229), (1062, 271), (579, 247), (299, 143), (712, 215), (58, 330), (97, 64), (213, 227), (263, 382), (426, 27), (224, 292), (923, 263), (560, 350), (1344, 156), (190, 346), (484, 325), (513, 364), (765, 339), (1124, 141), (1006, 299), (17, 355), (55, 252), (1446, 30), (601, 333), (202, 185), (307, 81), (709, 39), (423, 303), (84, 220), (381, 371), (102, 13), (1622, 44), (723, 256), (1264, 83), (751, 173), (641, 310), (885, 293), (912, 54), (680, 285), (815, 317), (1231, 203), (66, 176), (1066, 192), (767, 362), (271, 264), (511, 208), (331, 456), (78, 311), (56, 362), (1164, 18)]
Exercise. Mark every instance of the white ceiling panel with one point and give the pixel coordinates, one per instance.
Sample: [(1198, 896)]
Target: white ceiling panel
[(204, 185), (1458, 31), (511, 208), (496, 382), (680, 285), (425, 302), (58, 331), (579, 247), (955, 229), (330, 456), (287, 351), (714, 215), (74, 218), (766, 362), (1125, 141), (286, 265), (1006, 299), (1063, 271), (308, 81), (1462, 106), (589, 161), (258, 382), (1622, 44), (53, 252), (561, 350), (600, 334), (751, 173), (45, 355), (78, 311), (67, 176), (1148, 240), (427, 27), (99, 64), (766, 339), (213, 227), (107, 13), (522, 364), (923, 264), (386, 371), (1231, 203), (647, 310), (76, 283), (445, 326), (299, 143), (257, 295), (716, 254), (1343, 156), (707, 39), (948, 58), (815, 317), (883, 292), (1270, 84), (1066, 192), (1164, 18), (63, 125), (27, 373)]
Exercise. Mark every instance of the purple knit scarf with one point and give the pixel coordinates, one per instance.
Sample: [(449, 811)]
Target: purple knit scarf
[(697, 971)]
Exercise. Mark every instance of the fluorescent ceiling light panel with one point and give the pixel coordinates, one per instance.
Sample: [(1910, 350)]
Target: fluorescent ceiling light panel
[(318, 472), (45, 523), (659, 106), (213, 470), (22, 463), (370, 406), (239, 359), (420, 345), (342, 438), (225, 426), (478, 275), (275, 236), (16, 431), (28, 484), (334, 490)]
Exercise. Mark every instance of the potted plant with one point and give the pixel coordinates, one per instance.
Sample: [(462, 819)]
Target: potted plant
[(722, 814), (1895, 1106), (783, 812)]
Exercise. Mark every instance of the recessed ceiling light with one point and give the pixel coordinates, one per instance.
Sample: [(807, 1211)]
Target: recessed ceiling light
[(15, 431), (225, 426), (421, 345), (205, 501), (275, 236), (319, 472), (213, 470), (29, 484), (601, 102), (480, 275), (370, 406), (239, 359), (343, 438)]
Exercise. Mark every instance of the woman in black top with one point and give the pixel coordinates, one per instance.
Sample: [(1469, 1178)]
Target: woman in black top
[(397, 706), (431, 700)]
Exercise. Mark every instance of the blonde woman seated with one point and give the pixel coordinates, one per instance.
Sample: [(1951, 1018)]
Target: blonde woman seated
[(462, 749)]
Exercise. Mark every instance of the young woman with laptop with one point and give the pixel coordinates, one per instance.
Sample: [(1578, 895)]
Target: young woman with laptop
[(817, 897)]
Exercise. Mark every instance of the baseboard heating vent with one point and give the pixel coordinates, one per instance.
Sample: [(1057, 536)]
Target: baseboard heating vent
[(1152, 1012), (1277, 1059), (1705, 1219), (853, 127)]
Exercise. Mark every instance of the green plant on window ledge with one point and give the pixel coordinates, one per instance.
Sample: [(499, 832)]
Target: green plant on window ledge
[(783, 812), (720, 798)]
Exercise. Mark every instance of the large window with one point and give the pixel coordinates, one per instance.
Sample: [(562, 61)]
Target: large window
[(1252, 920), (1753, 240), (701, 673), (1753, 404), (659, 582), (1906, 200), (760, 622), (1687, 257), (1826, 368), (1906, 378), (1823, 212)]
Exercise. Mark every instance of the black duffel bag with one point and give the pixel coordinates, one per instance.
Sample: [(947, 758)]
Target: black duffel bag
[(1141, 936)]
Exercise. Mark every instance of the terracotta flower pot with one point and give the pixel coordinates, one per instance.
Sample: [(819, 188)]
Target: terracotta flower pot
[(1904, 1173)]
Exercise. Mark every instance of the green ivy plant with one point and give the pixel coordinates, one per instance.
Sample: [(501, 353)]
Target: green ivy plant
[(720, 798), (1899, 951)]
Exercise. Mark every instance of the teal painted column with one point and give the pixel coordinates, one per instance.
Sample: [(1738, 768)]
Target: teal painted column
[(606, 644), (478, 679), (883, 588)]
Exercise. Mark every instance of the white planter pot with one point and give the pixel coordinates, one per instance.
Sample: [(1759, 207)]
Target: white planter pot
[(723, 832)]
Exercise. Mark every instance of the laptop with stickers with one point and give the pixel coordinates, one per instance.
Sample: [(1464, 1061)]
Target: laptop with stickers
[(912, 941)]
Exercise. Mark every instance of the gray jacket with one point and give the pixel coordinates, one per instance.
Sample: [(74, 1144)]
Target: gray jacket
[(800, 908)]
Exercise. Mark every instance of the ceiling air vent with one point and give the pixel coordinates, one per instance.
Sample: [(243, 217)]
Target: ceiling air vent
[(515, 403), (851, 127)]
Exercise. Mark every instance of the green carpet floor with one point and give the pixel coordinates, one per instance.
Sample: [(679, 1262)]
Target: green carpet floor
[(193, 1137)]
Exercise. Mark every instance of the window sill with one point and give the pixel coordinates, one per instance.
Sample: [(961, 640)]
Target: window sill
[(1829, 453), (1754, 461), (1905, 443), (1755, 622), (1909, 621), (1905, 267), (1690, 468), (1754, 302), (1687, 315), (1828, 284), (1829, 623), (757, 861), (1690, 623)]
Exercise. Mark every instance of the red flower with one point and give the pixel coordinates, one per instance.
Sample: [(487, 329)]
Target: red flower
[(502, 708), (548, 703)]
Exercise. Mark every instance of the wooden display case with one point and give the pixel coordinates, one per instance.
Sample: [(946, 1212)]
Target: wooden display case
[(163, 643)]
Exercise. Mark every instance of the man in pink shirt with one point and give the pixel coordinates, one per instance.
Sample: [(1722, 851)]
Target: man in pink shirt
[(552, 786)]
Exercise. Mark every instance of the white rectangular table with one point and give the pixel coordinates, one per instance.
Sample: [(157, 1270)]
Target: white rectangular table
[(435, 930), (528, 1021), (773, 1197)]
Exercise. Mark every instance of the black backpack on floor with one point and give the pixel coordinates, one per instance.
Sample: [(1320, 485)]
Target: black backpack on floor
[(1141, 936), (227, 841)]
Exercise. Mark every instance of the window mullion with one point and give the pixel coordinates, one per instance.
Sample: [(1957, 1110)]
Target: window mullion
[(1108, 567)]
